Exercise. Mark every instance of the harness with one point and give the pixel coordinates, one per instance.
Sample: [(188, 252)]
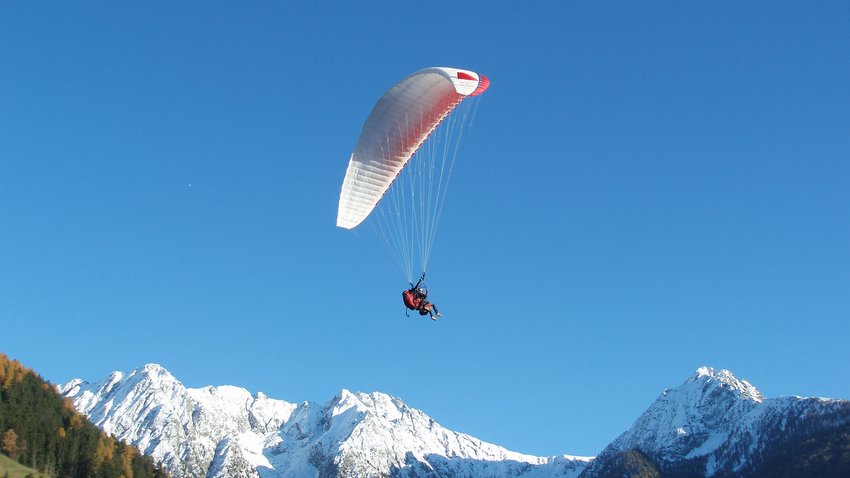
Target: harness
[(412, 299)]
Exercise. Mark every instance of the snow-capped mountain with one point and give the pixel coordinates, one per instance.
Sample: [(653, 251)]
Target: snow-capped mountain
[(717, 425), (692, 419), (712, 425), (189, 430), (227, 432)]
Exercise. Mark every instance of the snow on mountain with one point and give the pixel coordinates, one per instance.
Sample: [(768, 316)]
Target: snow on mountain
[(184, 428), (693, 418), (227, 432), (358, 434), (719, 425), (777, 424), (711, 425)]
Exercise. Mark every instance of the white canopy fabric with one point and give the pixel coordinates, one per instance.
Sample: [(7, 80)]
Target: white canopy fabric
[(398, 125)]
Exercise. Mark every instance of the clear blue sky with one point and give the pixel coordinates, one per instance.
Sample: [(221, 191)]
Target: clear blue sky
[(649, 187)]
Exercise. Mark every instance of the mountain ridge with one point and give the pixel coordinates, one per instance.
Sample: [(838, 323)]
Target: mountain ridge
[(713, 424), (717, 425), (220, 431)]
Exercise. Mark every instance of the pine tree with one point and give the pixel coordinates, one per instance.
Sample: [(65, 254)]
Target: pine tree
[(42, 430)]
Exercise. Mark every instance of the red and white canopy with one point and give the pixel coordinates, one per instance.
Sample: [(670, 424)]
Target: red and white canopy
[(398, 125)]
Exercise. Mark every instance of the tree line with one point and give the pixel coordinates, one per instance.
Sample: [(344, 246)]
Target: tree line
[(41, 430)]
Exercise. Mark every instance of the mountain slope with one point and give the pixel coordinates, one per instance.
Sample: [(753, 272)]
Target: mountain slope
[(358, 434), (12, 469), (227, 432), (716, 425), (42, 431), (182, 427), (711, 425)]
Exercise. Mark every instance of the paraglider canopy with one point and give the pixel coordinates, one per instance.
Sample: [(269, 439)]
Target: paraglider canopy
[(398, 125), (421, 115)]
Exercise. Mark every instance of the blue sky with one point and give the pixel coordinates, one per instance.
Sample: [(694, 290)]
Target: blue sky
[(648, 188)]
